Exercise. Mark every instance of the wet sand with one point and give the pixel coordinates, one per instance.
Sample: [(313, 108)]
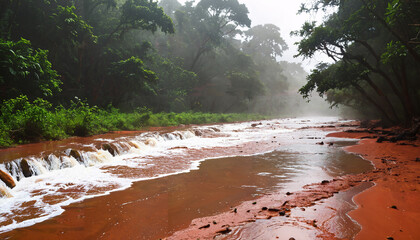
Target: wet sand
[(390, 209)]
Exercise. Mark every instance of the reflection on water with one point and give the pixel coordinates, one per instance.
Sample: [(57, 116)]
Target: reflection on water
[(165, 203)]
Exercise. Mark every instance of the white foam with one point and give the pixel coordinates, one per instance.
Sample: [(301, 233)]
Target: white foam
[(67, 174)]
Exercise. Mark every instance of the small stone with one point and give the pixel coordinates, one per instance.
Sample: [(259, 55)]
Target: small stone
[(254, 203), (292, 238), (325, 182), (394, 207), (235, 210), (224, 231), (390, 238), (205, 226), (264, 208), (282, 213), (288, 193), (214, 222)]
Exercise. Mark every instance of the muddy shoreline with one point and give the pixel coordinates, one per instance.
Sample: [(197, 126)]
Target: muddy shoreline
[(387, 207)]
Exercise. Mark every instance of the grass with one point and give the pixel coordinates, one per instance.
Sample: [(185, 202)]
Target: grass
[(23, 121)]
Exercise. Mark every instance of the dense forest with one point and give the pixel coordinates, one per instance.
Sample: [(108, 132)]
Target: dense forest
[(87, 66), (79, 67), (375, 51)]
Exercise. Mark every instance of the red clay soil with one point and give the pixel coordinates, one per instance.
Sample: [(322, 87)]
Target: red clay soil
[(388, 210)]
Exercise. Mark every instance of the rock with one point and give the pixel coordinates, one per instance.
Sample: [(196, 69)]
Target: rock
[(224, 231), (254, 125), (325, 182), (282, 213), (289, 193), (390, 238), (214, 222), (107, 147), (330, 144), (205, 226), (235, 210), (7, 179), (26, 169), (292, 238), (381, 139), (198, 133), (394, 207), (76, 155), (274, 210), (320, 143), (254, 203), (264, 208)]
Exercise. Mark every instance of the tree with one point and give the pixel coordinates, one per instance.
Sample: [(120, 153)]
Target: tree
[(212, 19), (25, 71), (361, 33)]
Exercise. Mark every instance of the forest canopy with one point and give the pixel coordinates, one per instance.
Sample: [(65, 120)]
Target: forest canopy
[(374, 47)]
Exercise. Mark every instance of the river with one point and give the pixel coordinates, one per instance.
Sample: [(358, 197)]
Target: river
[(148, 185)]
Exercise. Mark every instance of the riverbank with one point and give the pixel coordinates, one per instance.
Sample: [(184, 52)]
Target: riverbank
[(23, 121), (390, 209), (387, 202)]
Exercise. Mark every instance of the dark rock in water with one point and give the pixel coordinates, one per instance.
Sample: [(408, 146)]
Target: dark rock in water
[(292, 238), (330, 144), (76, 155), (282, 213), (325, 182), (381, 139), (289, 193), (394, 207), (214, 222), (108, 147), (235, 210), (390, 238), (205, 226), (254, 125), (254, 203), (26, 169), (198, 133), (274, 210), (320, 143), (7, 179), (264, 208)]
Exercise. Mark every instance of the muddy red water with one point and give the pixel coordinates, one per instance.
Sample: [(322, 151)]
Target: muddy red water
[(157, 208)]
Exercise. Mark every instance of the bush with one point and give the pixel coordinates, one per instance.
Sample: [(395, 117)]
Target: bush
[(23, 121)]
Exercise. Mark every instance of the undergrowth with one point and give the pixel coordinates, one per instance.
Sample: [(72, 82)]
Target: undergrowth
[(23, 121)]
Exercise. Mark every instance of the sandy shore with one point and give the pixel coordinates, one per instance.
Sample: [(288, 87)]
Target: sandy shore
[(388, 209)]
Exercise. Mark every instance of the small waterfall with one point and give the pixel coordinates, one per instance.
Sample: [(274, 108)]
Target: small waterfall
[(18, 169)]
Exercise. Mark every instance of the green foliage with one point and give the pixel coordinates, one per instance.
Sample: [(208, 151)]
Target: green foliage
[(369, 43), (23, 121), (24, 70)]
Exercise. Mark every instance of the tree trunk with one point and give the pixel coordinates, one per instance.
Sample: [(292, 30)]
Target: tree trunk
[(373, 102)]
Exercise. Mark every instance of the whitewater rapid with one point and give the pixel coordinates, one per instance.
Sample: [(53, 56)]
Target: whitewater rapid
[(46, 182)]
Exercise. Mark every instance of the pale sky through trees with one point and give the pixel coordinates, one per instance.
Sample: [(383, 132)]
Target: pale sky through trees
[(282, 13)]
